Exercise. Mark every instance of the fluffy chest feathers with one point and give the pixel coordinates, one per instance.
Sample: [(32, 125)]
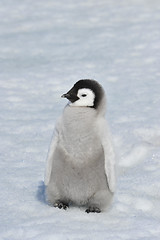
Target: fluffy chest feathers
[(78, 134)]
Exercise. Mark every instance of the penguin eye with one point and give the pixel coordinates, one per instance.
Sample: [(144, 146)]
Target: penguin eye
[(84, 95)]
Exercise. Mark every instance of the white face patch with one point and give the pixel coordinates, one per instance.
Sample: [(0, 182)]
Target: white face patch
[(86, 98)]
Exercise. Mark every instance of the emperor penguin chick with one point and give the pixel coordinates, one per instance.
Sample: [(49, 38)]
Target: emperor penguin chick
[(81, 162)]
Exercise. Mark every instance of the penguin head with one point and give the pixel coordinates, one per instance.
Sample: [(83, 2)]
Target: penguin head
[(85, 93)]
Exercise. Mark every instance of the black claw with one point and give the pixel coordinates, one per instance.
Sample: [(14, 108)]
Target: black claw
[(87, 210), (93, 210), (61, 205)]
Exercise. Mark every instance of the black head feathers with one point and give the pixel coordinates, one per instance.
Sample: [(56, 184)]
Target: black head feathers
[(88, 84)]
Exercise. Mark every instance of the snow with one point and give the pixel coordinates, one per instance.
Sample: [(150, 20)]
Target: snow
[(45, 47)]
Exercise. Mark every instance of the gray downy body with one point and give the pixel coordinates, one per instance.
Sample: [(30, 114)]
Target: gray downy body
[(78, 173)]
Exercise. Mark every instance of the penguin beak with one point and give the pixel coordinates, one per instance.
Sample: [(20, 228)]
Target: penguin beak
[(66, 95), (71, 96)]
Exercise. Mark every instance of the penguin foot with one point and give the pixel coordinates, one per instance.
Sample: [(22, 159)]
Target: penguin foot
[(61, 205), (93, 210)]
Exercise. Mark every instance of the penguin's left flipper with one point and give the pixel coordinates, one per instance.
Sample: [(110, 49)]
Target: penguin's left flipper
[(109, 155)]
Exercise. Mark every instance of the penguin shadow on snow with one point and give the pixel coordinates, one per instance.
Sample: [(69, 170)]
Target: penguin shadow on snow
[(41, 193)]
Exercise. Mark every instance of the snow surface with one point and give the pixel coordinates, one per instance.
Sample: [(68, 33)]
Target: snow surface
[(45, 47)]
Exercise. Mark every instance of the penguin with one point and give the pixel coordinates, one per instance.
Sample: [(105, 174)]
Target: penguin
[(80, 167)]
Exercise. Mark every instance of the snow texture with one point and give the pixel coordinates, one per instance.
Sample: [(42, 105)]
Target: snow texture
[(45, 47)]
